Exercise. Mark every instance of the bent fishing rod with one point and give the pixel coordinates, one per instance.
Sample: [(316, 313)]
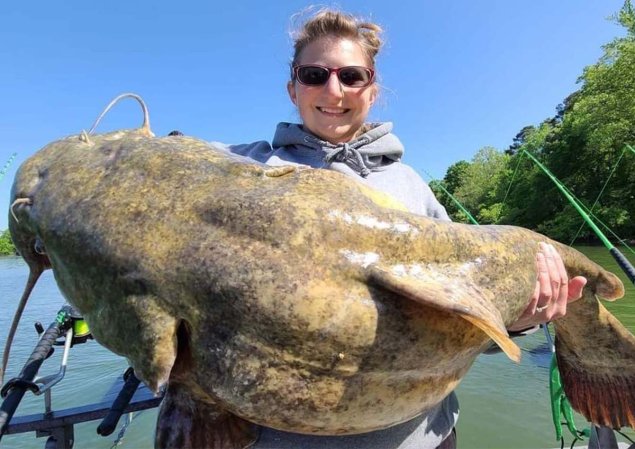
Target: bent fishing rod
[(621, 260)]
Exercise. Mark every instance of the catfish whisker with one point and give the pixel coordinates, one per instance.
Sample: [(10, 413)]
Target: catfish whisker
[(15, 203)]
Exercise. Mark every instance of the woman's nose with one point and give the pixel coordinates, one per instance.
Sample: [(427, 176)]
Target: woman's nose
[(333, 85)]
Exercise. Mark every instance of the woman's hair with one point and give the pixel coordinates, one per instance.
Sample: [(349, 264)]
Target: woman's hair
[(337, 24)]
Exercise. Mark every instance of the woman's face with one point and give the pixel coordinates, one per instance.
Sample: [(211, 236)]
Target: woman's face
[(334, 112)]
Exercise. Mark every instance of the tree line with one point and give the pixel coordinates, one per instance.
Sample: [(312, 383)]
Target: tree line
[(585, 144)]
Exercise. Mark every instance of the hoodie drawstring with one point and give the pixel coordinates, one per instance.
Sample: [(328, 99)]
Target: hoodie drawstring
[(349, 155)]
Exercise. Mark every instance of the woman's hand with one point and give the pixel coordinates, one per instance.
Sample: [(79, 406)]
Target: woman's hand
[(553, 290)]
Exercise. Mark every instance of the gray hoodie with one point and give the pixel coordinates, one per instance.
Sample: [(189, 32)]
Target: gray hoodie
[(374, 159)]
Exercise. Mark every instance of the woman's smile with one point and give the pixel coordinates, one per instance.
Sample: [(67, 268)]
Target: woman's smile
[(332, 111)]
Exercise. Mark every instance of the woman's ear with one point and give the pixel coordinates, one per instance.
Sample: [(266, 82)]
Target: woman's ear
[(291, 92)]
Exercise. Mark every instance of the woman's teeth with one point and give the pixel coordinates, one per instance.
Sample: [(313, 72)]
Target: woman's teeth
[(333, 110)]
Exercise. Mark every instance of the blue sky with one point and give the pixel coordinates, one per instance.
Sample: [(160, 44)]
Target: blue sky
[(456, 76)]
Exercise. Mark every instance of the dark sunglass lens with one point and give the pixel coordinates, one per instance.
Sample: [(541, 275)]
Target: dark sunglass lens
[(354, 76), (313, 75)]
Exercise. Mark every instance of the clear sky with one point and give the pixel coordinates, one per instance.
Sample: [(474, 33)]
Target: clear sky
[(456, 75)]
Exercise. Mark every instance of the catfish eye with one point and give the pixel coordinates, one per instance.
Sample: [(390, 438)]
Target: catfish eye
[(39, 248)]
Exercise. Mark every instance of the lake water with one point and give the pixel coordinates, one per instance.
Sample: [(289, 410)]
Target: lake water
[(503, 404)]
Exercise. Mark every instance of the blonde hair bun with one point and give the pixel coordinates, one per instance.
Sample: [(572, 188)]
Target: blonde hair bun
[(328, 22)]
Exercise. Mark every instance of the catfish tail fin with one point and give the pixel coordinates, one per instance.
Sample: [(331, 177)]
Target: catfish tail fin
[(596, 359)]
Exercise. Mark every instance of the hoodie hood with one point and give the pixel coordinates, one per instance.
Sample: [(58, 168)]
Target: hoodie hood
[(371, 151)]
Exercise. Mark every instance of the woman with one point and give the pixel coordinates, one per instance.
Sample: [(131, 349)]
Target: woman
[(333, 86)]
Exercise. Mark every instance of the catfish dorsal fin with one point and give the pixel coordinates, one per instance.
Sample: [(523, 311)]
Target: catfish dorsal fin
[(463, 299)]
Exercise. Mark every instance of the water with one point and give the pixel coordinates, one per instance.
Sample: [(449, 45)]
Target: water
[(503, 405)]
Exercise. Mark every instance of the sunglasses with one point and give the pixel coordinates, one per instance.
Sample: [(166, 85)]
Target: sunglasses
[(317, 75)]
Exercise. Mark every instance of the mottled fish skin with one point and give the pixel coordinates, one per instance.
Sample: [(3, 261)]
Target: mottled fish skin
[(300, 302)]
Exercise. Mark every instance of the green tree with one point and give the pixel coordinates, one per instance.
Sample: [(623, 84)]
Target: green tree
[(595, 127), (532, 197), (6, 244), (448, 186), (480, 186)]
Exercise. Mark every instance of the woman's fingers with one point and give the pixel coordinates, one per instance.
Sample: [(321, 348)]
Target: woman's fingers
[(559, 301), (553, 290), (544, 285)]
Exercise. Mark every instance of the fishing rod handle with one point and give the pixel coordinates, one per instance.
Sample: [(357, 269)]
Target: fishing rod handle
[(624, 263), (41, 351), (15, 388), (109, 423)]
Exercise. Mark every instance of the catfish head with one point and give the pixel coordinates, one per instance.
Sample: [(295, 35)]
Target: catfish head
[(50, 231)]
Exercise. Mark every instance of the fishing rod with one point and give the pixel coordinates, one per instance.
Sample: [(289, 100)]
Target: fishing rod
[(118, 407), (626, 147), (581, 204), (6, 166), (66, 323), (621, 260)]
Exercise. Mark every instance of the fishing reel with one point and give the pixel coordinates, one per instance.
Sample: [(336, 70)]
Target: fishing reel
[(69, 318), (75, 330), (69, 323)]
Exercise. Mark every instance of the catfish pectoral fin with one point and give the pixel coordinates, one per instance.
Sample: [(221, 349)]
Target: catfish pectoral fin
[(595, 354), (139, 328), (452, 296), (187, 423)]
